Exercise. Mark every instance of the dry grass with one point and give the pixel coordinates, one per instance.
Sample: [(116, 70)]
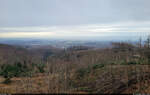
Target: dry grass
[(111, 79)]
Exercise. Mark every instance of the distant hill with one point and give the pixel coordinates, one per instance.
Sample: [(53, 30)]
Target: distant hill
[(55, 43), (36, 53), (10, 53)]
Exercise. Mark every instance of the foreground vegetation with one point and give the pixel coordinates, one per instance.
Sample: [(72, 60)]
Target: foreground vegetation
[(123, 68)]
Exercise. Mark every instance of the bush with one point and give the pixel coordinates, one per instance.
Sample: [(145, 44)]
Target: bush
[(7, 81), (130, 63), (82, 72), (96, 66), (41, 67), (133, 63), (13, 70), (8, 71)]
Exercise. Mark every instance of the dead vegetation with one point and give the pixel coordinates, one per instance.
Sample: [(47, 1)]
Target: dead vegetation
[(124, 68)]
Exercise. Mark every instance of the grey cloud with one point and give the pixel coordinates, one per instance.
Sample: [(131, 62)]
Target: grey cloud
[(71, 12)]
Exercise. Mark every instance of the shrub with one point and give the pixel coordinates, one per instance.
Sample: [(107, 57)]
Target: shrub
[(82, 72), (133, 63), (41, 67), (130, 63), (8, 71), (96, 66), (7, 81), (13, 70)]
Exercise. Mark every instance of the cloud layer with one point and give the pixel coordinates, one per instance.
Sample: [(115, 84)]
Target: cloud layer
[(125, 29), (71, 12), (74, 18)]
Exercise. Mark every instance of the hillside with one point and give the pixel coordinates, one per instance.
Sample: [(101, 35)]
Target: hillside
[(122, 68), (10, 54)]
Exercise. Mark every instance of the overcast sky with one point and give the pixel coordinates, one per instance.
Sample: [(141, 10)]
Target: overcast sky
[(74, 18)]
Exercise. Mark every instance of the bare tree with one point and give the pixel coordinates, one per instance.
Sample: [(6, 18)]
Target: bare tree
[(147, 42), (140, 43)]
